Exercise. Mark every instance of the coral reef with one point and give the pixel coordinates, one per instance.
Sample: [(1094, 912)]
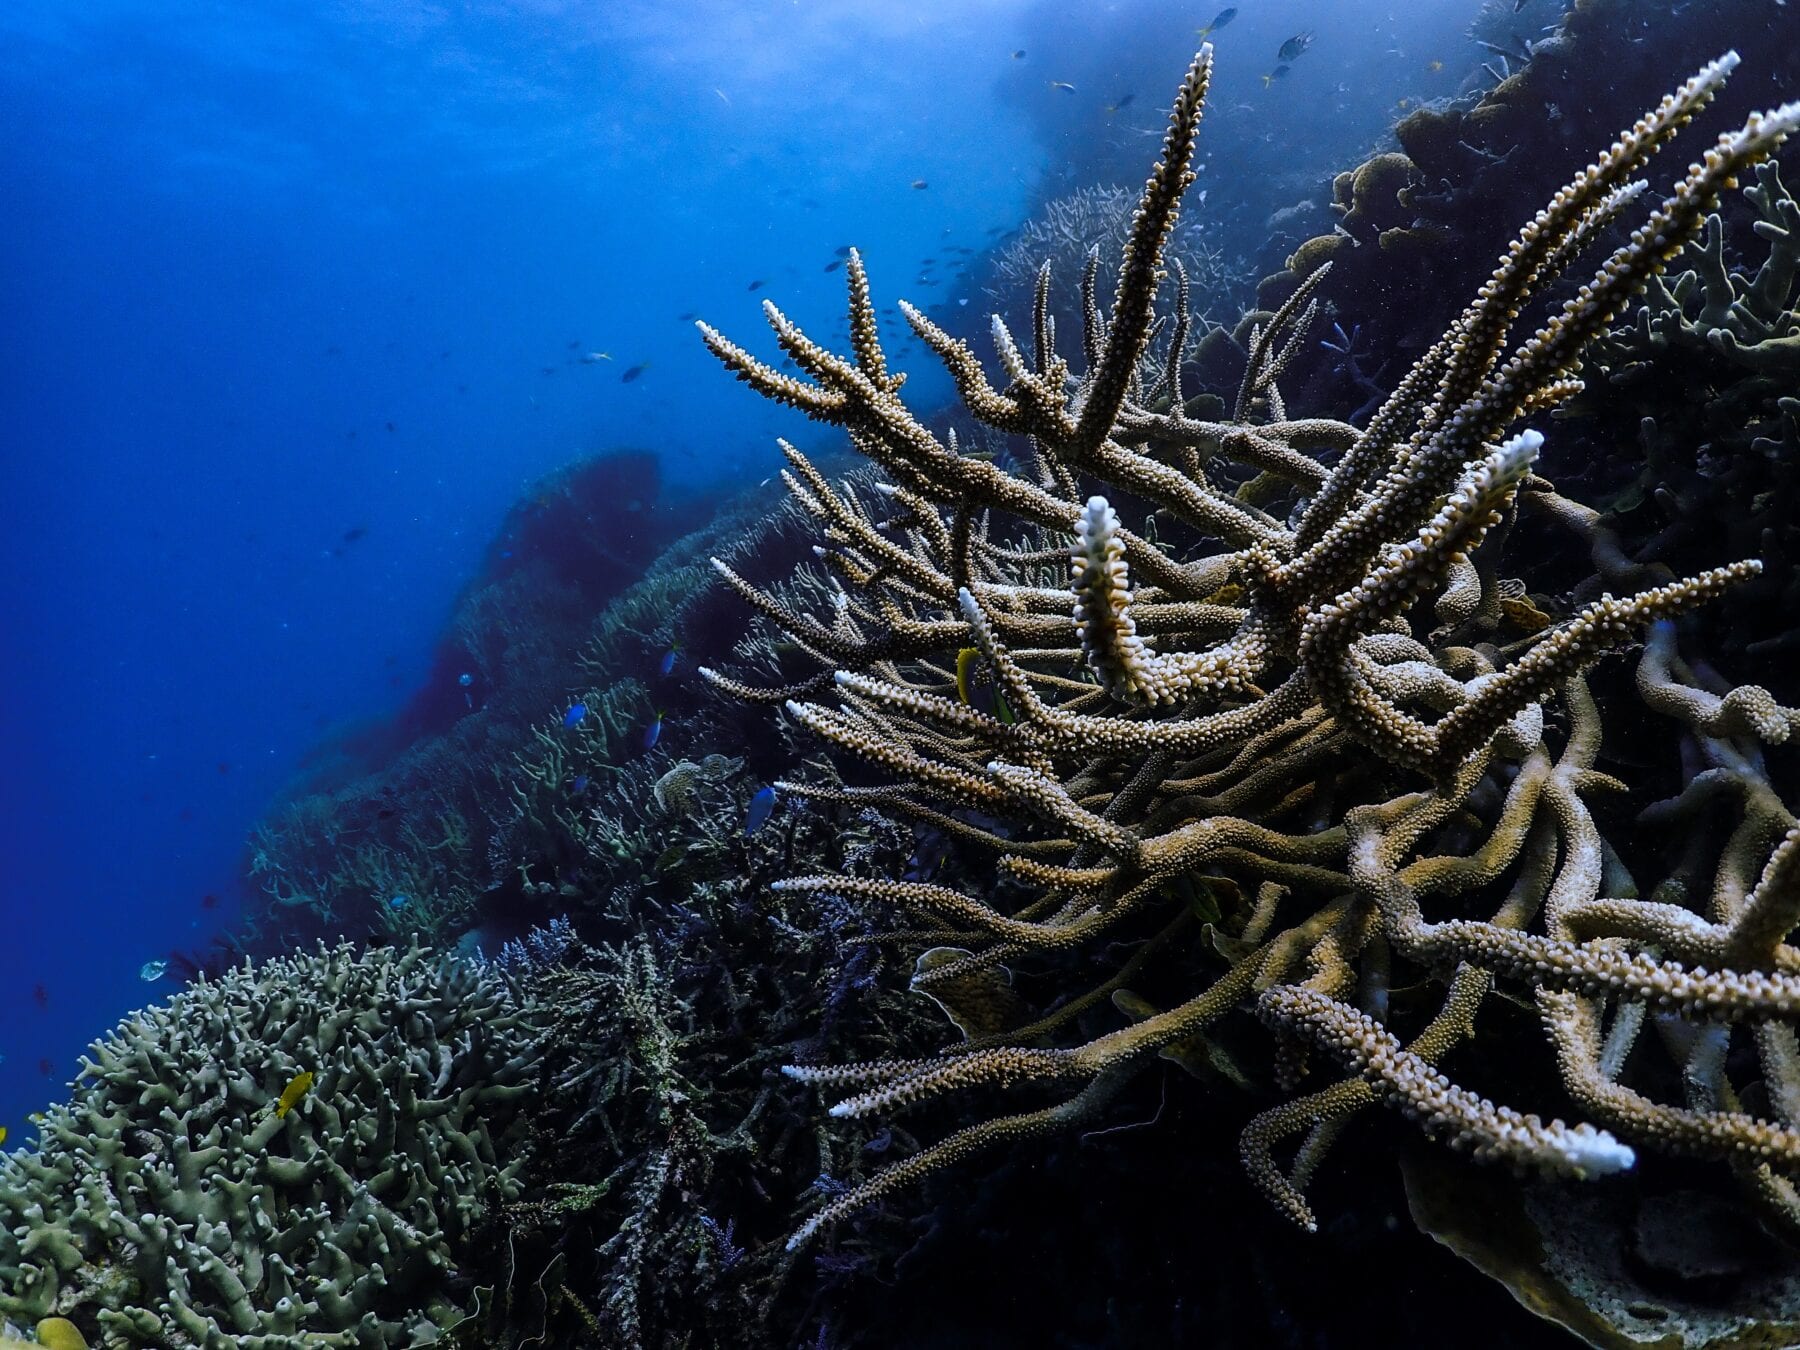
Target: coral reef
[(1173, 733), (1418, 222), (496, 816), (1703, 379), (1205, 738), (670, 1160), (1096, 221), (169, 1203)]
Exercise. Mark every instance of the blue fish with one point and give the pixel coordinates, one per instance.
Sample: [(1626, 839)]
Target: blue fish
[(581, 783), (667, 665), (572, 718), (398, 902), (762, 805), (653, 732)]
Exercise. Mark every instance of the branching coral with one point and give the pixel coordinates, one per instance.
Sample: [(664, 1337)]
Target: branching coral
[(1093, 223), (673, 1156), (1237, 685), (170, 1204), (1703, 377)]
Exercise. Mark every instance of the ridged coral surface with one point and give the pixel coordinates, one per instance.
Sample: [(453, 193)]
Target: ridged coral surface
[(169, 1205)]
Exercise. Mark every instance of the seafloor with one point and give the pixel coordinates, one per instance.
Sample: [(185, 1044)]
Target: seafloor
[(1272, 832)]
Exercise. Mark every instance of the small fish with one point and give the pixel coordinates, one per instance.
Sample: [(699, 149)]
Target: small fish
[(1434, 66), (590, 358), (666, 666), (355, 532), (572, 718), (634, 372), (653, 732), (397, 902), (465, 679), (1063, 85), (1122, 104), (1294, 46), (2, 1134), (762, 805), (965, 662), (40, 996), (1220, 19), (1019, 55), (722, 98), (580, 784), (687, 316), (756, 285), (298, 1086), (919, 185), (1403, 104), (834, 264), (390, 426), (1275, 75), (152, 971)]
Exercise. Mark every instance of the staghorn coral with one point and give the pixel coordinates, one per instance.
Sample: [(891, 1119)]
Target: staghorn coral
[(1245, 699), (168, 1205), (1094, 222)]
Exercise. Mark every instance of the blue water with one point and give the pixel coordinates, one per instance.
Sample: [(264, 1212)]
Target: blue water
[(295, 303)]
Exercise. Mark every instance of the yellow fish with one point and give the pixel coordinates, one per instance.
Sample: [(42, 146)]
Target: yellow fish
[(1434, 66), (2, 1134), (291, 1094), (965, 662)]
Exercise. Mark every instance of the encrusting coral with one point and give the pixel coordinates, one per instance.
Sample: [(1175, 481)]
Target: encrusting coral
[(170, 1203), (1210, 682)]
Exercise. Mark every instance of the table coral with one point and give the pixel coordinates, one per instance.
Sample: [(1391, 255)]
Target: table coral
[(168, 1205)]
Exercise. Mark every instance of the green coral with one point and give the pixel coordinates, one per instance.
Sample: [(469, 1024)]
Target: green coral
[(1752, 319), (168, 1205)]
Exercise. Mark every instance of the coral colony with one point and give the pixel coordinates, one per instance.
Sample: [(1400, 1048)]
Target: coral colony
[(184, 1198), (1292, 750), (1283, 697)]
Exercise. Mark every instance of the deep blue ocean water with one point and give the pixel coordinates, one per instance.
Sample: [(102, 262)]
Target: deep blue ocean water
[(297, 300)]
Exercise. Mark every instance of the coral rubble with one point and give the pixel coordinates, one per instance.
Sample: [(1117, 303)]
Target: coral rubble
[(169, 1204), (1266, 705)]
